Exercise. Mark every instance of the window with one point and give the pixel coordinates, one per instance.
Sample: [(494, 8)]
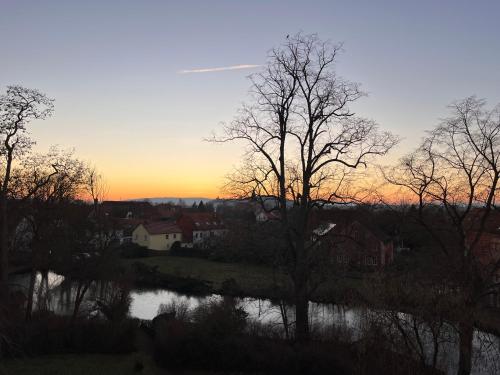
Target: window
[(495, 246), (136, 237), (145, 237), (342, 259), (175, 236), (166, 236)]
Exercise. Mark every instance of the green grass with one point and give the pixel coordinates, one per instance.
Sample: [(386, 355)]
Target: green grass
[(79, 364), (250, 278)]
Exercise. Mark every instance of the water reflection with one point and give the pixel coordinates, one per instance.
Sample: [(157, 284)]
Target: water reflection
[(54, 292)]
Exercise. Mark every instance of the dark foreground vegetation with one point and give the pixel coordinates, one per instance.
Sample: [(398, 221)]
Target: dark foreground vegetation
[(215, 337)]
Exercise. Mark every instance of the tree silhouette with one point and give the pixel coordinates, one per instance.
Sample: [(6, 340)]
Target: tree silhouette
[(302, 144), (453, 176)]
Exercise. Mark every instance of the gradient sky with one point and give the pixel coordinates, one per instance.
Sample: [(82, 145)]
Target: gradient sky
[(122, 103)]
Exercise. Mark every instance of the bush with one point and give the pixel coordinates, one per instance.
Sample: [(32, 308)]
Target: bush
[(177, 309), (220, 318), (48, 333), (189, 252), (104, 337), (231, 287), (132, 250), (114, 304), (148, 276)]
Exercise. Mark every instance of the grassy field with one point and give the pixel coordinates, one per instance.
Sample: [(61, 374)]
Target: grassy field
[(250, 278), (80, 364), (253, 280)]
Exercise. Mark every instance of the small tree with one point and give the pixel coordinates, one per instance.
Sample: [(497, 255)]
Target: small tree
[(201, 207), (303, 142), (96, 188)]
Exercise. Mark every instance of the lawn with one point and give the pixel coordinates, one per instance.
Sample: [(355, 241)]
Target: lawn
[(80, 364), (253, 280), (250, 278)]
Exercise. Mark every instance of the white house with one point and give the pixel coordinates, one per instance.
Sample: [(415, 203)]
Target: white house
[(205, 232), (157, 236), (200, 229), (262, 216)]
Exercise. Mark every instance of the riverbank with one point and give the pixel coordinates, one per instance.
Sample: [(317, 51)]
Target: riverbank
[(201, 276), (237, 279)]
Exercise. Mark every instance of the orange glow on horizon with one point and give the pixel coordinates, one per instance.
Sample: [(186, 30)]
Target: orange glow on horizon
[(137, 191), (211, 189)]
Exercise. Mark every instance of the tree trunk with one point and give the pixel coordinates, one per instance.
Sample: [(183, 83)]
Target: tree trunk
[(284, 318), (301, 295), (4, 248), (31, 293), (80, 294), (301, 315), (4, 230), (466, 331)]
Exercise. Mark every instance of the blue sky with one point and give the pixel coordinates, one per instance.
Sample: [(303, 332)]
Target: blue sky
[(113, 68)]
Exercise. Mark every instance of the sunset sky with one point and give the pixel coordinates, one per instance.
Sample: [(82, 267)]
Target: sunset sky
[(139, 84)]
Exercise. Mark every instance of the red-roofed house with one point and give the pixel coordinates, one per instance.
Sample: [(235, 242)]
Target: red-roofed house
[(160, 235), (487, 251), (200, 228), (356, 244)]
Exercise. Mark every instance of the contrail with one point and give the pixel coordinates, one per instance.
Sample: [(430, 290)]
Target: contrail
[(219, 69)]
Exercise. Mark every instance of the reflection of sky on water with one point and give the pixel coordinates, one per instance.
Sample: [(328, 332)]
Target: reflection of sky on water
[(145, 303)]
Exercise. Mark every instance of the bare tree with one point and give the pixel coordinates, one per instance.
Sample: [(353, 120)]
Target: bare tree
[(97, 189), (95, 186), (45, 184), (303, 142), (18, 106), (454, 178)]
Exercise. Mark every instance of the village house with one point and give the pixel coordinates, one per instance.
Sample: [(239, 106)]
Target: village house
[(263, 216), (161, 235), (200, 229), (487, 252), (353, 241), (356, 244)]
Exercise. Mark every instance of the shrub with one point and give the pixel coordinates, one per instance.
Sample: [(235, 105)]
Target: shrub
[(132, 250), (115, 303), (220, 318), (177, 309)]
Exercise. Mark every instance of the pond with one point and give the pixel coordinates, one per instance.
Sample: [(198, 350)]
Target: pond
[(54, 293)]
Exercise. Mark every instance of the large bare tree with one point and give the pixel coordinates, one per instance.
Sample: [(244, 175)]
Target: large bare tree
[(303, 142), (453, 177), (18, 107)]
